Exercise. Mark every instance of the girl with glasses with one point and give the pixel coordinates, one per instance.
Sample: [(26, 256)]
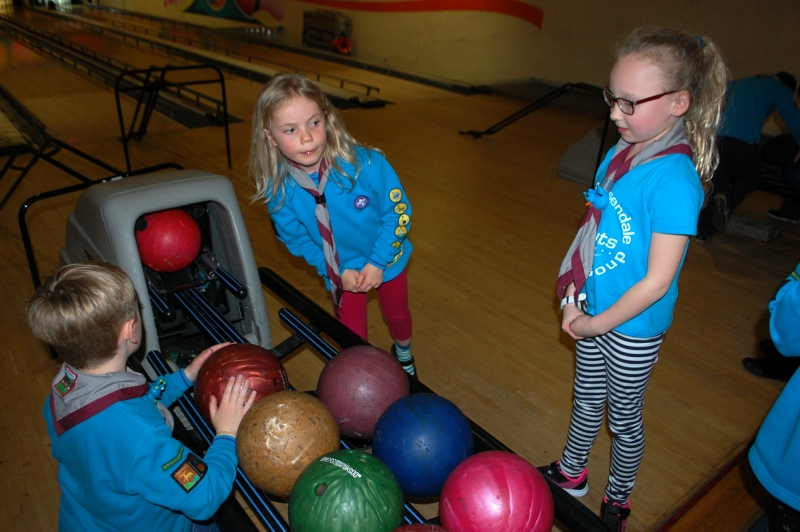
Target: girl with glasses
[(619, 278)]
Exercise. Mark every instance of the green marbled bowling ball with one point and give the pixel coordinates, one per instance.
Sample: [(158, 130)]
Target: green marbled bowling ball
[(346, 491)]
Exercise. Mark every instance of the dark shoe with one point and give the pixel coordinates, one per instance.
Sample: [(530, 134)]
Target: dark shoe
[(408, 365), (720, 218), (780, 369), (577, 487), (784, 215), (768, 348), (614, 514)]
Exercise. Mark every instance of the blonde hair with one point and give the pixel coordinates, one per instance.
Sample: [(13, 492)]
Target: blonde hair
[(80, 311), (693, 63), (268, 166)]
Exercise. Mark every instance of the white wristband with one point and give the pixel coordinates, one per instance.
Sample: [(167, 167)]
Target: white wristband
[(570, 300)]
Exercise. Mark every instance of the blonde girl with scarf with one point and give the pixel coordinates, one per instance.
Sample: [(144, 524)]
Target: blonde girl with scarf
[(619, 278)]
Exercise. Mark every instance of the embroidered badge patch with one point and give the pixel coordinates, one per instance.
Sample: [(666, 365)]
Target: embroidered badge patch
[(403, 220), (400, 208), (174, 461), (190, 472), (395, 195), (396, 258), (400, 232), (361, 202), (67, 383)]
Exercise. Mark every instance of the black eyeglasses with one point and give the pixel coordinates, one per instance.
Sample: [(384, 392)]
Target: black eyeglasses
[(628, 106)]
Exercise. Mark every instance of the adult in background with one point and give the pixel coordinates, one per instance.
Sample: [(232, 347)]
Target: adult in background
[(750, 101)]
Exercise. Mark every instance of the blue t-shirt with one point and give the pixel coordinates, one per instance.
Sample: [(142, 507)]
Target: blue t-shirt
[(663, 195)]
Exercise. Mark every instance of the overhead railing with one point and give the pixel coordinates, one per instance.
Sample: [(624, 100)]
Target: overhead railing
[(191, 49), (341, 82), (193, 110)]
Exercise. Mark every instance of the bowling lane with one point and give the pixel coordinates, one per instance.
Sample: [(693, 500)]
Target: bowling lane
[(391, 88), (55, 103)]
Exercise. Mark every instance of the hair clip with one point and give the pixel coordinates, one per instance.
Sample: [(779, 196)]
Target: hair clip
[(700, 40)]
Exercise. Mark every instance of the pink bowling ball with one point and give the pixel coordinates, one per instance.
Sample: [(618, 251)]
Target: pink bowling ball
[(496, 491)]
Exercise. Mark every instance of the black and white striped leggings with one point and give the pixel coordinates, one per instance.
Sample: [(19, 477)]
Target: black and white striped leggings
[(614, 369)]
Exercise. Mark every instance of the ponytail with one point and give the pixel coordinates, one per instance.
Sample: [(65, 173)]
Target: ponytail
[(703, 116)]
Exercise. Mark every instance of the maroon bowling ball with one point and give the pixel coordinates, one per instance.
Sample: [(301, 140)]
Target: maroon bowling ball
[(420, 527), (358, 384), (496, 491), (168, 241), (261, 368)]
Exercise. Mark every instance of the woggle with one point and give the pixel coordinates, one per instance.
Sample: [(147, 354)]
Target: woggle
[(596, 197)]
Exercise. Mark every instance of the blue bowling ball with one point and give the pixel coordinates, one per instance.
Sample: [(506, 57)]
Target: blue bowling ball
[(422, 438)]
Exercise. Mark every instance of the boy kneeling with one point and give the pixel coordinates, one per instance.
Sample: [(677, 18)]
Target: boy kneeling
[(119, 467)]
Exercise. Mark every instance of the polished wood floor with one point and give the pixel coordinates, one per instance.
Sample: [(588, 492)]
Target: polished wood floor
[(491, 223)]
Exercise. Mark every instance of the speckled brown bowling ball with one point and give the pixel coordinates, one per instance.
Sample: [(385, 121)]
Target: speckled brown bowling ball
[(280, 435)]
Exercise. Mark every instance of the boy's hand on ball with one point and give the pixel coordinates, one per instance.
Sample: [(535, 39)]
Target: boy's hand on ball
[(192, 370), (236, 401)]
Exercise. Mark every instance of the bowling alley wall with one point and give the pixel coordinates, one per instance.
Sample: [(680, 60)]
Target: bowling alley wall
[(496, 41)]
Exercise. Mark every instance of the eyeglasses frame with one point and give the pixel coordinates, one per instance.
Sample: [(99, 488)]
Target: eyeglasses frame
[(608, 95)]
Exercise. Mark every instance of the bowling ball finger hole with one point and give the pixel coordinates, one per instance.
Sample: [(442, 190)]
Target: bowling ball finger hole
[(321, 489)]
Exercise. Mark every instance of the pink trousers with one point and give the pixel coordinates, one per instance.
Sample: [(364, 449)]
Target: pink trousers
[(393, 299)]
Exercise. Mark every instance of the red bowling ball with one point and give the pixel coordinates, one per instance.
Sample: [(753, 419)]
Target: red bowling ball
[(168, 241), (358, 384), (262, 369), (496, 491)]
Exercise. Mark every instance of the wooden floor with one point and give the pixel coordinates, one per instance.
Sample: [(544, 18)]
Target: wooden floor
[(491, 223)]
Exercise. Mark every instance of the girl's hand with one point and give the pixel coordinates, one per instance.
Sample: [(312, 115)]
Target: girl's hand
[(570, 314), (350, 280), (235, 403), (193, 369), (370, 277), (583, 327)]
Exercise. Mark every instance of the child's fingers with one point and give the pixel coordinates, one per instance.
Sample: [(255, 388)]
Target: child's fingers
[(212, 406), (201, 358), (226, 395), (214, 349), (251, 399), (242, 390)]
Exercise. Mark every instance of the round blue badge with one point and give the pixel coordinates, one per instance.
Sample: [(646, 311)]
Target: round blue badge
[(361, 202)]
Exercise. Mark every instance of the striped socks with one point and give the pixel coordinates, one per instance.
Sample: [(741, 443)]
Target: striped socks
[(403, 354)]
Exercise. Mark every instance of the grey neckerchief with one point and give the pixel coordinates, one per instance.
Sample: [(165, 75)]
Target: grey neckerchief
[(85, 389)]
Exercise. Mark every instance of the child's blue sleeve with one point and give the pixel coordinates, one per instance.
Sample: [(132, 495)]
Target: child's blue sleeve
[(393, 207), (784, 322), (167, 474), (296, 236), (176, 385)]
